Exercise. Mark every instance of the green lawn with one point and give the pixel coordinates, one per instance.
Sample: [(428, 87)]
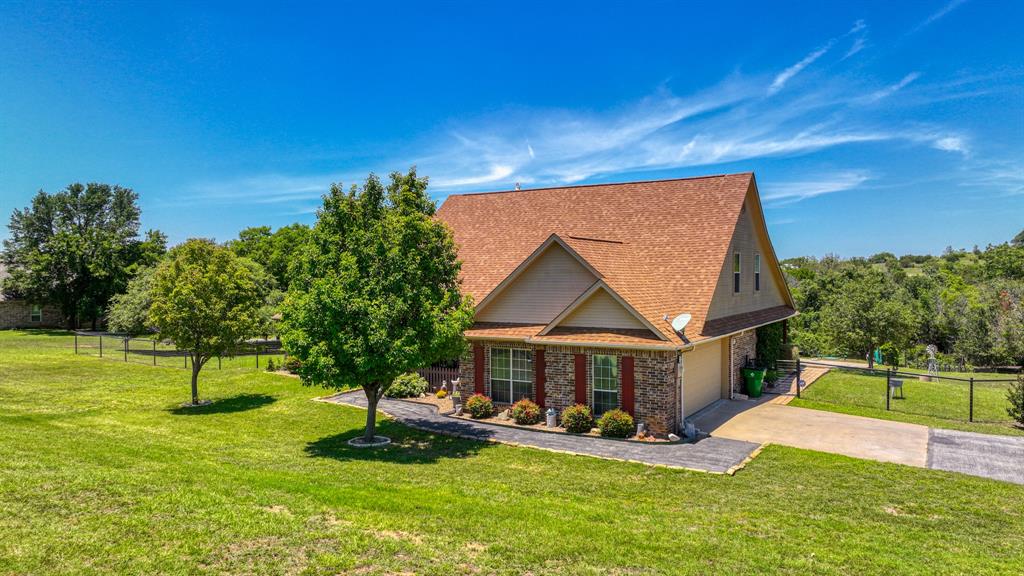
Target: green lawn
[(102, 473), (940, 404)]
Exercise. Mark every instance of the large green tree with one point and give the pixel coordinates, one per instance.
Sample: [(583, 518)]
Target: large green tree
[(275, 251), (77, 248), (129, 311), (206, 300), (376, 292), (869, 310)]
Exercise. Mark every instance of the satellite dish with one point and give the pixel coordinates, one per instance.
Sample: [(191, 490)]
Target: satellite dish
[(679, 322)]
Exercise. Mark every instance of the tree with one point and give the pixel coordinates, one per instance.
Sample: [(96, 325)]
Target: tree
[(275, 251), (867, 311), (205, 300), (77, 248), (376, 292), (1018, 240), (129, 311)]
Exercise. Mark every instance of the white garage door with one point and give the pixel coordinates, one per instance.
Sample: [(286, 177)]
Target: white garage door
[(702, 376)]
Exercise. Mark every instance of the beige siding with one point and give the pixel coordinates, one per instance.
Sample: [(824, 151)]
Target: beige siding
[(702, 376), (601, 310), (552, 282), (748, 240)]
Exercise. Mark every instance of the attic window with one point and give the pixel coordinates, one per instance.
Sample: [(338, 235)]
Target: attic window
[(757, 272), (736, 273)]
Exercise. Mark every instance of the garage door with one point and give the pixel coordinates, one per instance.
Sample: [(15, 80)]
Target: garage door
[(702, 376)]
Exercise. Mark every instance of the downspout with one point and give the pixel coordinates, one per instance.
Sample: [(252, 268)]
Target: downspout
[(681, 369)]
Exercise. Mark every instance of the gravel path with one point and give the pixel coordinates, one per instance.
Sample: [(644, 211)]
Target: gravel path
[(719, 455)]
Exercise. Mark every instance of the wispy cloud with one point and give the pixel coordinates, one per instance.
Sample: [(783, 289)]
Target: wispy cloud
[(892, 89), (780, 80), (946, 9), (730, 121), (788, 192)]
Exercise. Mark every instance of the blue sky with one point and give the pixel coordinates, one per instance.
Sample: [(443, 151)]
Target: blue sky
[(877, 126)]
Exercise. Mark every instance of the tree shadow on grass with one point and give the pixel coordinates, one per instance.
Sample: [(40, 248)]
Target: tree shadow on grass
[(408, 446), (239, 403)]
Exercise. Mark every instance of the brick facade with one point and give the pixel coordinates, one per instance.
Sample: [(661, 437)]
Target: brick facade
[(656, 392), (18, 314), (742, 346)]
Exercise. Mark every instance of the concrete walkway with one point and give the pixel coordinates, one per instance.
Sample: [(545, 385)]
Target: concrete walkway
[(719, 455), (763, 421)]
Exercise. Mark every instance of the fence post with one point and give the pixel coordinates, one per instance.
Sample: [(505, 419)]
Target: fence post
[(125, 349), (798, 377), (76, 342), (970, 413), (185, 354), (257, 347), (101, 346), (154, 352), (888, 382), (218, 361)]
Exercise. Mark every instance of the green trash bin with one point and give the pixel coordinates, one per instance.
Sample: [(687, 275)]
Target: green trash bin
[(754, 378)]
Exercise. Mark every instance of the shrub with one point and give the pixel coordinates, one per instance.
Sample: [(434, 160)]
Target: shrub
[(1016, 397), (292, 364), (442, 393), (408, 385), (479, 406), (271, 367), (526, 411), (577, 419), (771, 376), (616, 424)]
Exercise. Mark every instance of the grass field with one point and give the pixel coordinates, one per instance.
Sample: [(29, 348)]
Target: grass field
[(940, 404), (102, 473)]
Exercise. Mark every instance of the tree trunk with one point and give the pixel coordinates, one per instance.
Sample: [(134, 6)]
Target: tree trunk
[(196, 367), (372, 398)]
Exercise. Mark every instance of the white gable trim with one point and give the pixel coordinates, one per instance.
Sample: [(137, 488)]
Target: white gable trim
[(525, 264), (599, 285)]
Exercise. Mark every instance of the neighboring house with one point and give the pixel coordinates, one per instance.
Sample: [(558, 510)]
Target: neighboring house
[(17, 313), (577, 288)]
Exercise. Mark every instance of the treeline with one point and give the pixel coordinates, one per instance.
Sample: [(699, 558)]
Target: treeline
[(969, 304), (81, 250)]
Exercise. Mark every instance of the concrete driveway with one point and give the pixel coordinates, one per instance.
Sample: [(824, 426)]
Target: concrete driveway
[(855, 436), (766, 421)]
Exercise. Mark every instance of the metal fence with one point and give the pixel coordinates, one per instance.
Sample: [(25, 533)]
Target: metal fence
[(253, 355), (965, 398)]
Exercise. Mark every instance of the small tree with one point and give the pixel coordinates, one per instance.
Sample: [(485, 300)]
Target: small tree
[(205, 300), (129, 312), (376, 293), (1016, 397)]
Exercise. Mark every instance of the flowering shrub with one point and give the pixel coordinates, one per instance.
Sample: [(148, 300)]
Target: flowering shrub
[(526, 411), (616, 424), (577, 419), (407, 385), (479, 406)]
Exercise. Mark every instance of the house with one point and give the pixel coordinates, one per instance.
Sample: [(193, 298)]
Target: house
[(18, 313), (577, 290)]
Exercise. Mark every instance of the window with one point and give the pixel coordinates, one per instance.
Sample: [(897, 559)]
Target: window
[(736, 273), (37, 313), (606, 383), (511, 374), (757, 272)]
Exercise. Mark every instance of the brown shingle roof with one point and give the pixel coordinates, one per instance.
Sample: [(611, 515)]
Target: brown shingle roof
[(660, 245)]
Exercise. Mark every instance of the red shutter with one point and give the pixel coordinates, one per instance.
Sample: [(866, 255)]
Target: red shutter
[(581, 379), (540, 378), (478, 368), (628, 393)]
